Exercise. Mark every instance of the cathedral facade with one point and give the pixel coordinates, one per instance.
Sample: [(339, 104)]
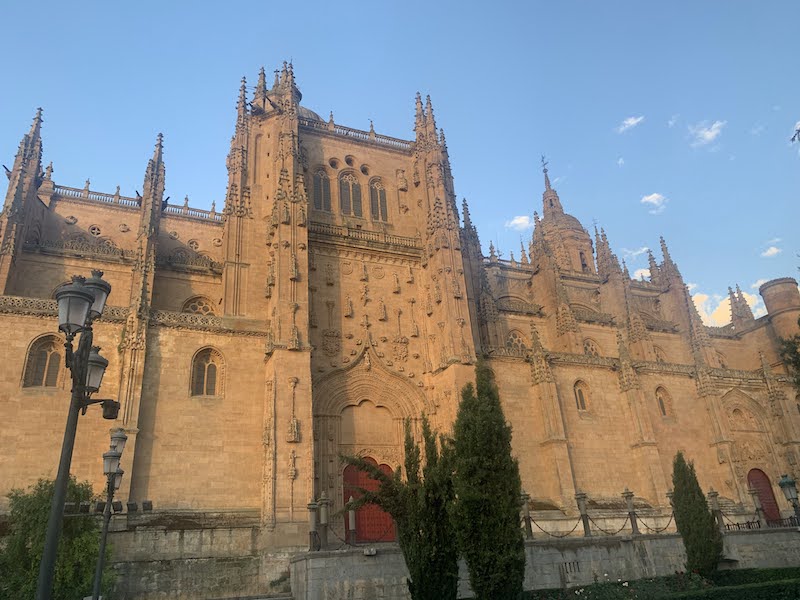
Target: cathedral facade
[(339, 291)]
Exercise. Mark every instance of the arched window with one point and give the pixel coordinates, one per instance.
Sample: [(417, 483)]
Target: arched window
[(581, 395), (199, 305), (207, 373), (515, 344), (664, 402), (43, 367), (350, 195), (377, 201), (661, 356), (322, 191), (590, 348)]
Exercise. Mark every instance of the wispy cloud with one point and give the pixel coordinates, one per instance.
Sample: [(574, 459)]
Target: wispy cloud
[(632, 254), (759, 283), (641, 273), (691, 286), (757, 129), (620, 162), (773, 241), (657, 203), (629, 123), (771, 251), (673, 121), (715, 309), (703, 134), (520, 223)]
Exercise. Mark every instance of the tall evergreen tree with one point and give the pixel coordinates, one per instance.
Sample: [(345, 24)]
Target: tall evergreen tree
[(790, 353), (488, 491), (420, 509), (701, 537)]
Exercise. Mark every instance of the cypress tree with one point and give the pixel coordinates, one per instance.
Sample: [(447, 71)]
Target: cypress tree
[(420, 509), (488, 491), (701, 537)]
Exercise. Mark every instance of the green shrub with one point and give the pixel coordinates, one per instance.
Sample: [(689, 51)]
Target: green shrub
[(771, 590), (744, 576)]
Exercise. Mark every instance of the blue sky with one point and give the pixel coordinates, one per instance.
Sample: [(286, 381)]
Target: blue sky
[(668, 118)]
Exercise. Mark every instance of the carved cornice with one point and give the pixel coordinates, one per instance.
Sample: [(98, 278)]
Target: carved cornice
[(80, 248), (565, 358), (338, 251), (515, 305), (590, 316), (665, 368), (658, 324), (194, 321), (184, 259), (45, 307)]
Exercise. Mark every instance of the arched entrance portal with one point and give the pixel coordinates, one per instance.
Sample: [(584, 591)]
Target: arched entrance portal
[(758, 480), (372, 523)]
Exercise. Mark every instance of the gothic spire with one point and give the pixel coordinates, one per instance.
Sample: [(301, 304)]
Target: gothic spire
[(260, 97), (152, 202), (550, 200), (655, 273), (607, 262), (669, 267), (419, 115), (429, 118), (741, 314)]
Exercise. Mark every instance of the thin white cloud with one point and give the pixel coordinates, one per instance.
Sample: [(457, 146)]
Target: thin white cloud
[(691, 286), (773, 241), (560, 179), (771, 251), (641, 273), (634, 253), (757, 129), (620, 162), (673, 120), (629, 123), (657, 203), (759, 283), (715, 309), (520, 223), (703, 134)]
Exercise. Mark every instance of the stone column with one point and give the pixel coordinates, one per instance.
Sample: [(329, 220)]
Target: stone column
[(713, 500), (762, 518), (628, 496), (580, 498)]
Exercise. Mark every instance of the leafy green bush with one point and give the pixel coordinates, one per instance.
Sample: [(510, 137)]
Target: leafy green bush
[(743, 576), (771, 590), (78, 548), (420, 509)]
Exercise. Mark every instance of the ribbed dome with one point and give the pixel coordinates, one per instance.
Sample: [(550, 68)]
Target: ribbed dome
[(306, 113)]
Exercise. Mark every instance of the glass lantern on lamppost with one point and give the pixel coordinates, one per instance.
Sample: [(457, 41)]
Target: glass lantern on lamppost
[(80, 303), (789, 489), (113, 481)]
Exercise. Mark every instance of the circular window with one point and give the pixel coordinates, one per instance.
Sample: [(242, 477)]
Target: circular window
[(173, 235), (94, 230), (193, 244), (365, 169), (334, 163), (349, 160), (217, 242)]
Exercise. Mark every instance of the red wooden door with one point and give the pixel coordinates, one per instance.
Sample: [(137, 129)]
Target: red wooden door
[(372, 523), (759, 481)]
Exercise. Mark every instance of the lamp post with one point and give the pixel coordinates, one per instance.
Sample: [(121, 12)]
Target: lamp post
[(113, 480), (80, 302), (789, 488)]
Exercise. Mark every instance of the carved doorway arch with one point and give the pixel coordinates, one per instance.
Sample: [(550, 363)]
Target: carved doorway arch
[(758, 481), (372, 523)]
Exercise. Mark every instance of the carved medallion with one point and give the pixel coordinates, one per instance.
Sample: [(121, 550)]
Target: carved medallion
[(331, 342)]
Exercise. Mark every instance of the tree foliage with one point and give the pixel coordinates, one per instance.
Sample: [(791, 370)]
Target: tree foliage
[(694, 520), (419, 506), (488, 491), (790, 353), (22, 549)]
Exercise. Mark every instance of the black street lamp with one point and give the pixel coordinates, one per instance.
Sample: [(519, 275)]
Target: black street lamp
[(113, 480), (789, 488), (80, 302)]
